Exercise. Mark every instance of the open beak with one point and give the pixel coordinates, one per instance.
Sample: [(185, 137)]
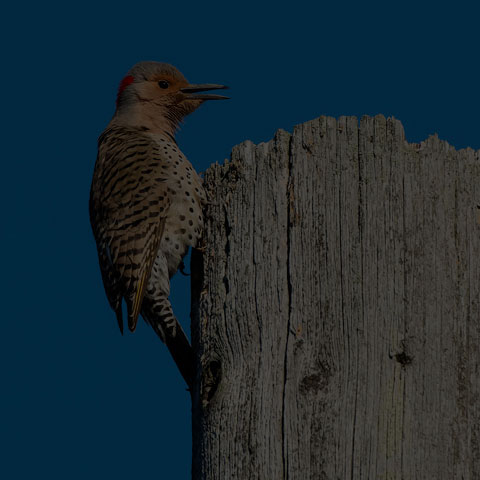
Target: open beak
[(191, 92)]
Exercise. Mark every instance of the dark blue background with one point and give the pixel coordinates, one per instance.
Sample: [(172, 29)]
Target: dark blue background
[(78, 400)]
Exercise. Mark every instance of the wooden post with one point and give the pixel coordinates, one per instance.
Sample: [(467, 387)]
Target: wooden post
[(336, 308)]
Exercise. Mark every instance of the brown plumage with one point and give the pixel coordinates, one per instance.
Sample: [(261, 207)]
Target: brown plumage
[(146, 199)]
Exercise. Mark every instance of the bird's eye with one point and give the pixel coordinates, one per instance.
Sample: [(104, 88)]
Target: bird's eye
[(163, 84)]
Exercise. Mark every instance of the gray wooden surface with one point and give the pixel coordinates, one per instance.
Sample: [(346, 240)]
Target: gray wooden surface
[(336, 308)]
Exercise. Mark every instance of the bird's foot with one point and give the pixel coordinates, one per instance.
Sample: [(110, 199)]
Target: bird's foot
[(202, 246)]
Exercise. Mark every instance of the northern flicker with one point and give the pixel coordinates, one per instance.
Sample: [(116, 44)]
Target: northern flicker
[(146, 199)]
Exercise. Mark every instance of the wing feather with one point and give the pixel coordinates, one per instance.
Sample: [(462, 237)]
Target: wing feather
[(128, 207)]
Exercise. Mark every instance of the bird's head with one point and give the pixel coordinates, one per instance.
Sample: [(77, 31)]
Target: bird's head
[(159, 96)]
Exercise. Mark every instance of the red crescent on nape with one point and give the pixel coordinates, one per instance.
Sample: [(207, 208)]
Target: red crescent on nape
[(123, 85)]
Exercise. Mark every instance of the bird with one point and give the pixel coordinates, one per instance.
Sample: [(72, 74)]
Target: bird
[(146, 199)]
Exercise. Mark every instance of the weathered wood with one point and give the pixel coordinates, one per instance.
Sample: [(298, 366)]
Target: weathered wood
[(336, 308)]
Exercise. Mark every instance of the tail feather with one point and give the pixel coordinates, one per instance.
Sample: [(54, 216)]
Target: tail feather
[(118, 312)]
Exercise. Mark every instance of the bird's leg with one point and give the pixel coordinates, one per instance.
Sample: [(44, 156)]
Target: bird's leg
[(201, 245)]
